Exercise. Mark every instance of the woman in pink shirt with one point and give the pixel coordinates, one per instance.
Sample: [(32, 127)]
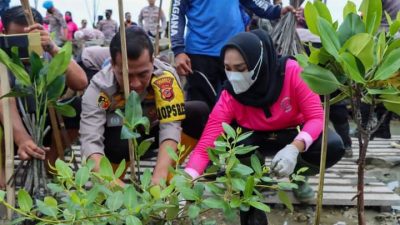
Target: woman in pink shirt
[(266, 95), (72, 27)]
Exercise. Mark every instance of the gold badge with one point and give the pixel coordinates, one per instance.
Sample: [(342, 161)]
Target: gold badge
[(165, 85), (103, 101)]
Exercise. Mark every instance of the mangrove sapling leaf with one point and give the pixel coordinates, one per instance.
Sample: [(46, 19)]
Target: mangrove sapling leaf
[(127, 133), (59, 64), (256, 165), (238, 184), (55, 188), (82, 176), (172, 154), (143, 147), (392, 46), (213, 188), (155, 191), (121, 169), (47, 210), (350, 67), (56, 89), (351, 26), (315, 75), (24, 200), (167, 191), (350, 7), (260, 206), (146, 179), (65, 110), (130, 197), (106, 170), (115, 201), (145, 122), (235, 202), (133, 110), (15, 93), (19, 72), (311, 15), (243, 136), (284, 198), (2, 195), (214, 203), (63, 170), (193, 211), (188, 194), (248, 190), (362, 46), (242, 150), (15, 56), (323, 11), (394, 27), (389, 66), (380, 47), (229, 130), (133, 220), (36, 65), (372, 14), (241, 169), (386, 91), (286, 186), (392, 107), (329, 37)]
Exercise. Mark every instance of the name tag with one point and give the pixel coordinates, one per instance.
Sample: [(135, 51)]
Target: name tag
[(113, 120)]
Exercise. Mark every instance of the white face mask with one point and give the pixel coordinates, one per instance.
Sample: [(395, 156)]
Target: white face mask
[(242, 81)]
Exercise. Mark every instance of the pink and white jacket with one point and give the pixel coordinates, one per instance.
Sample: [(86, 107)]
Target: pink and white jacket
[(296, 105)]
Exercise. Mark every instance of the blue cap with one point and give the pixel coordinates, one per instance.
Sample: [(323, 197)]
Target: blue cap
[(48, 4)]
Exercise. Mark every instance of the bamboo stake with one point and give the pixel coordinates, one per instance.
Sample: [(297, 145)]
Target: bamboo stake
[(8, 138), (157, 42), (124, 57), (324, 149)]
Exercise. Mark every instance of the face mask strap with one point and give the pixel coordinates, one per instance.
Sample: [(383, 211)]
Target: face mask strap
[(258, 63)]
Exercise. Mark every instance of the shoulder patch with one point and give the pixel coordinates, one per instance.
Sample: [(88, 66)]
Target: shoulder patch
[(169, 98), (103, 101)]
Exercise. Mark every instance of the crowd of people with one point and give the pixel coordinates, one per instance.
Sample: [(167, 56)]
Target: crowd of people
[(231, 76)]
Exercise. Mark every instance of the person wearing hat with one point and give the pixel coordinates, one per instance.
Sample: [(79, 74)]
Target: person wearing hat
[(56, 22)]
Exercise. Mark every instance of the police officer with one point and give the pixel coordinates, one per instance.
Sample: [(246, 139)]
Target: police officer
[(162, 100)]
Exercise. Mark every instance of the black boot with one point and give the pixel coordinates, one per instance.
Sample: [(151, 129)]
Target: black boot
[(253, 217)]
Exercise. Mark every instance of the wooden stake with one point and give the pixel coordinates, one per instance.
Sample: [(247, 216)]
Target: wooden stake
[(324, 148), (124, 55), (157, 42), (8, 138)]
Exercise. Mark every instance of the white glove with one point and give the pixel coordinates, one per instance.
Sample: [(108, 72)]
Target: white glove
[(285, 160)]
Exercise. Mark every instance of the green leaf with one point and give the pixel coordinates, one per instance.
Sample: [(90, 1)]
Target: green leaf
[(82, 176), (242, 150), (106, 169), (287, 186), (55, 188), (311, 16), (213, 188), (323, 11), (127, 133), (242, 170), (63, 169), (115, 201), (244, 136), (283, 197), (36, 65), (389, 66), (167, 191), (320, 80), (133, 108), (350, 7), (392, 107), (229, 130), (302, 59), (172, 154), (155, 191), (92, 195), (238, 184), (132, 220), (65, 110), (121, 169), (145, 122), (235, 202), (214, 203), (15, 93), (130, 197), (384, 91), (260, 206), (394, 28), (193, 211), (393, 46), (15, 56), (381, 47), (256, 165), (329, 38), (59, 63), (50, 201), (351, 26), (143, 147), (350, 67), (45, 209), (362, 46), (372, 14), (146, 178), (56, 88), (188, 194), (248, 190), (24, 200)]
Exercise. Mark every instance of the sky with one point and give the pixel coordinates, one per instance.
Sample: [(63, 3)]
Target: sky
[(83, 9)]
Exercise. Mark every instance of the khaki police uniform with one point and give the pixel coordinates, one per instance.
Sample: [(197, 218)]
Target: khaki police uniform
[(100, 128)]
